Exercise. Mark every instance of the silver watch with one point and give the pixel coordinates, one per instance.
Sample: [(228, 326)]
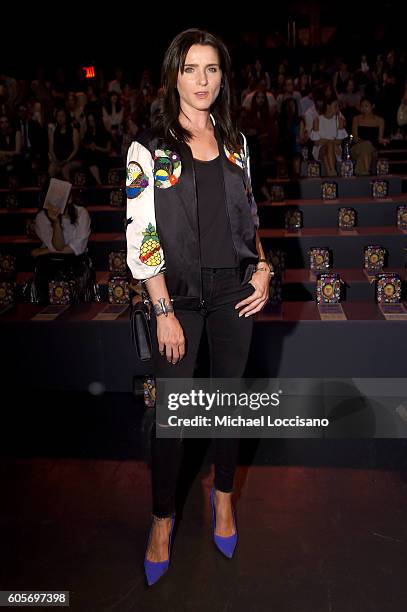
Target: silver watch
[(162, 307)]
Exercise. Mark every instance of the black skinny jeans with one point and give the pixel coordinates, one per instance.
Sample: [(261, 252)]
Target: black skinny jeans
[(229, 338)]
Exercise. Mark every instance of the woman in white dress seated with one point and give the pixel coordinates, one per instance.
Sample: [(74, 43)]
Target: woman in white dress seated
[(328, 131), (63, 254)]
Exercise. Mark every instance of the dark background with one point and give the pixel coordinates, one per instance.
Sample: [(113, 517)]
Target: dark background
[(135, 35)]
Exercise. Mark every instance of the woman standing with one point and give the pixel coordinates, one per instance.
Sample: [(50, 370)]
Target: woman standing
[(192, 239)]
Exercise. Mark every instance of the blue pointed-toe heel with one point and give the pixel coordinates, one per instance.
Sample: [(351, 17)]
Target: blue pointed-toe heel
[(154, 570), (226, 544)]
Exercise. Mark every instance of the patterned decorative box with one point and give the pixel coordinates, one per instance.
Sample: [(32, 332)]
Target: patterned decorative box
[(293, 219), (328, 288), (374, 258), (117, 198), (115, 177), (117, 263), (79, 179), (277, 259), (319, 258), (346, 168), (380, 189), (346, 218), (275, 290), (329, 190), (118, 291), (277, 193), (313, 169), (388, 288), (7, 266), (402, 217), (7, 292), (382, 166), (59, 292), (149, 391)]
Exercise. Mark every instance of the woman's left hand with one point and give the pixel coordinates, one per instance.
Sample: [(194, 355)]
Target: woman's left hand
[(256, 301)]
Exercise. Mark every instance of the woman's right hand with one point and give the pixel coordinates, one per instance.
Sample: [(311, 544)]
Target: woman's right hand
[(170, 337)]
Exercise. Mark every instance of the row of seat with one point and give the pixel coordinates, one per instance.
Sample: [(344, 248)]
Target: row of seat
[(376, 225)]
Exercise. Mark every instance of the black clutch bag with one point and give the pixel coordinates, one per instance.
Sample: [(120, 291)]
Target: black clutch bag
[(140, 329)]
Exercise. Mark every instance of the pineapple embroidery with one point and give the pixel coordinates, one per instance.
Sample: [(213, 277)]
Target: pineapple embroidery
[(167, 168), (136, 180), (150, 247)]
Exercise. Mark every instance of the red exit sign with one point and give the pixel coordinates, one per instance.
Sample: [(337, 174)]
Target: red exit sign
[(89, 72)]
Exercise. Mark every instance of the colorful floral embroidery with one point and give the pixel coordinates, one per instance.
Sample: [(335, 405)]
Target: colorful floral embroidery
[(150, 247), (167, 168), (234, 157), (136, 180)]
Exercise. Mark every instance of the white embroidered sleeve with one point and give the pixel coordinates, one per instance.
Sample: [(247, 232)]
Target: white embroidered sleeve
[(145, 256)]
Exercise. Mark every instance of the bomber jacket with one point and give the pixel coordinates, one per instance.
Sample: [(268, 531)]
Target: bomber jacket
[(162, 215)]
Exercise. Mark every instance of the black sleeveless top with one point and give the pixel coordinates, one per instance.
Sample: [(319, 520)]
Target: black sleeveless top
[(63, 143), (369, 132), (217, 249)]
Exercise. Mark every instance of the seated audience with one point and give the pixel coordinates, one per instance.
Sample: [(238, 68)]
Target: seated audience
[(10, 150), (368, 134), (349, 102), (291, 135), (327, 133), (63, 253), (63, 147), (96, 147)]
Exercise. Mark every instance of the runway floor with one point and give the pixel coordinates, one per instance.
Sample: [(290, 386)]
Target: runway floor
[(322, 523)]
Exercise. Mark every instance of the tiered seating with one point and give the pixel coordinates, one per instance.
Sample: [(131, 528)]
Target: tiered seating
[(376, 225), (396, 153), (290, 341)]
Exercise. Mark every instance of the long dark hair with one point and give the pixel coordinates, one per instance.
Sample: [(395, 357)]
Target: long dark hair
[(109, 105), (174, 61)]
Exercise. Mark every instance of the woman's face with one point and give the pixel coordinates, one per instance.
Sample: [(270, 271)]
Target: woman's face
[(71, 101), (260, 98), (290, 107), (304, 80), (4, 125), (365, 107), (350, 87), (91, 121), (61, 118), (332, 109), (202, 73), (114, 98)]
